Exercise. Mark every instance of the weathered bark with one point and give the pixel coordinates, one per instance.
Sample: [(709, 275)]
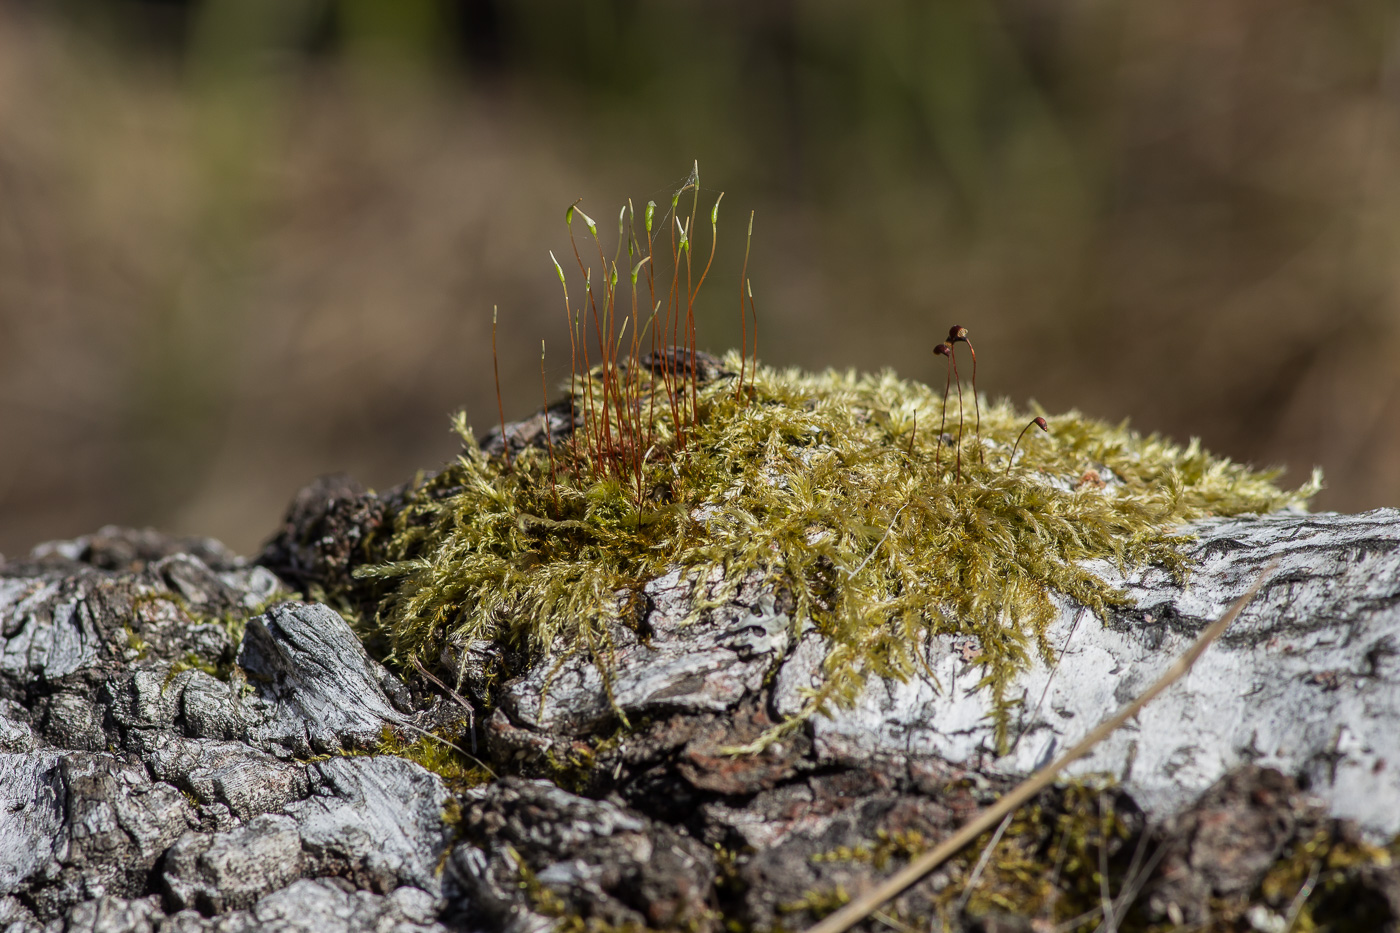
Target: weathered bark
[(138, 792), (1307, 680)]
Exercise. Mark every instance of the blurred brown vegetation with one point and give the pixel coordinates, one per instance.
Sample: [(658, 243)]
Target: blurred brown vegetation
[(244, 242)]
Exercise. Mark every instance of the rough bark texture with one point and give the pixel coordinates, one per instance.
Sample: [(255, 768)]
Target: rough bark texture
[(1307, 680), (165, 767)]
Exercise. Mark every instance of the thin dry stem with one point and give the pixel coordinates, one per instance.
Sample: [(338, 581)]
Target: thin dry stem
[(496, 367), (743, 312), (548, 432), (862, 907)]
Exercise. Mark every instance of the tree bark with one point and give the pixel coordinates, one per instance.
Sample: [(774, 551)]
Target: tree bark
[(160, 769)]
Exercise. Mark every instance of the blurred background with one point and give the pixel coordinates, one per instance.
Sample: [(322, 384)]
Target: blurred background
[(245, 242)]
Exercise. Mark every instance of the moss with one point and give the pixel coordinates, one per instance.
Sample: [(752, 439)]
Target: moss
[(886, 846), (1318, 880), (1047, 863), (573, 923), (135, 643), (818, 903), (541, 899), (192, 662), (232, 621), (437, 754), (1081, 836), (729, 884), (1061, 854), (546, 902), (452, 815), (574, 766), (822, 484), (153, 597)]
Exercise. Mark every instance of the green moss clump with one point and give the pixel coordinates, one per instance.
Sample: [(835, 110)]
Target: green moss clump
[(135, 644), (821, 484), (573, 767), (441, 756), (191, 662)]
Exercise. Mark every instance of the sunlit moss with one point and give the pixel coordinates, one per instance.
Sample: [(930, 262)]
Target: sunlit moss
[(458, 770), (135, 644), (233, 621), (822, 484), (541, 898), (887, 846), (1316, 880), (817, 903), (1047, 862), (192, 661), (1074, 851)]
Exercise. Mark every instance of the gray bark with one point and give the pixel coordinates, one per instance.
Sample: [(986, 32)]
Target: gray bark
[(325, 693), (1306, 681), (135, 795)]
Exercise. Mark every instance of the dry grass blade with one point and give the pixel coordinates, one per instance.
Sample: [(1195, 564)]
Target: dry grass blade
[(981, 866), (1049, 682), (1296, 907), (457, 697), (1139, 871), (1110, 917), (864, 906), (455, 747)]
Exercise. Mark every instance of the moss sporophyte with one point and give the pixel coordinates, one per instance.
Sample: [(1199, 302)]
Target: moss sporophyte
[(820, 483)]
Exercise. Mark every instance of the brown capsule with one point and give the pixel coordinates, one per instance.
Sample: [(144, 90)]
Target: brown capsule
[(1039, 422)]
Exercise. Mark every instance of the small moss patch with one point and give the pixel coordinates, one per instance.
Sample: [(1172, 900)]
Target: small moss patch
[(1076, 855), (458, 770), (1317, 883), (1054, 860), (883, 532)]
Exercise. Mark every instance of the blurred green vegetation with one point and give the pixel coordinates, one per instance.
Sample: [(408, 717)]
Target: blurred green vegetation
[(243, 242)]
